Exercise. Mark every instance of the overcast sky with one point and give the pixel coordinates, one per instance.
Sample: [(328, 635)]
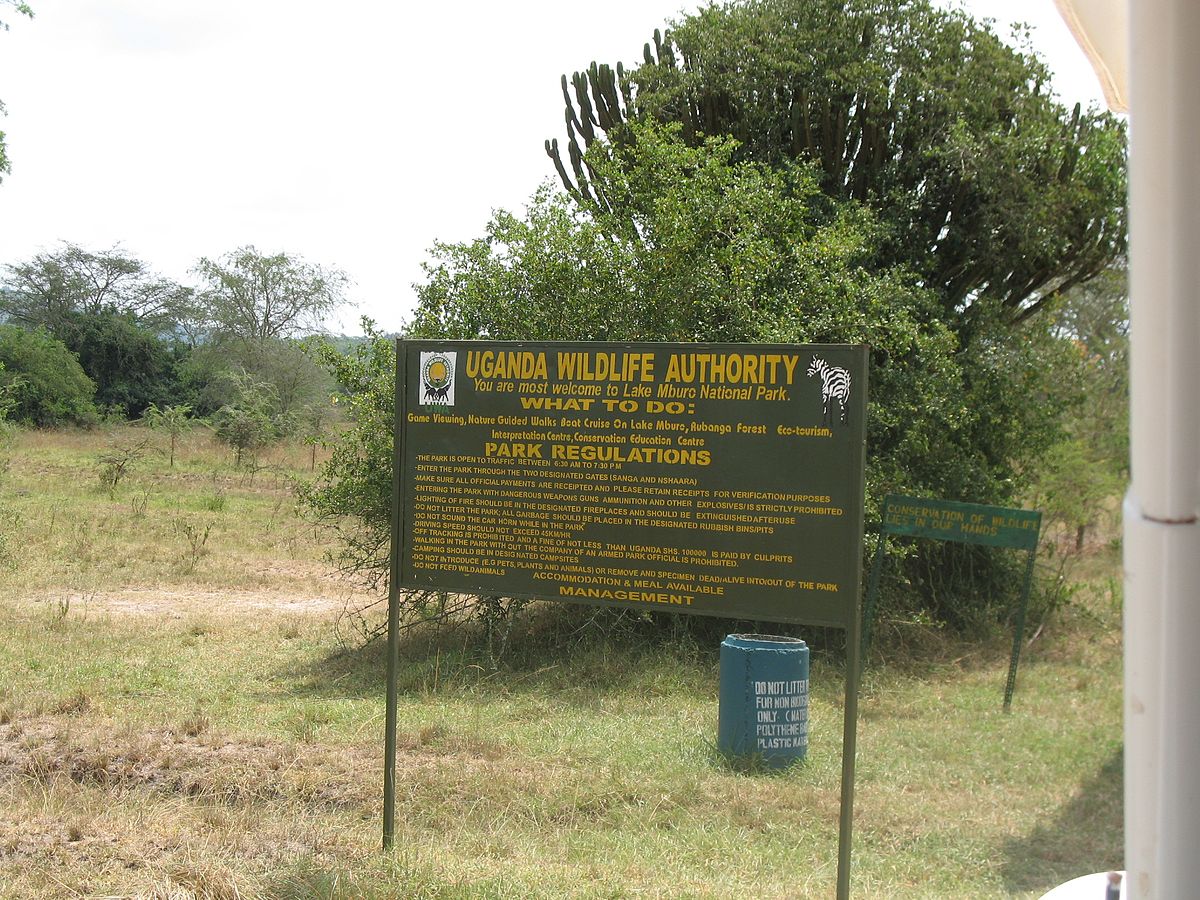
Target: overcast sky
[(353, 134)]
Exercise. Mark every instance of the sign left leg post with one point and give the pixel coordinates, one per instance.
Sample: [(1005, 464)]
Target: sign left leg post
[(393, 637), (389, 743)]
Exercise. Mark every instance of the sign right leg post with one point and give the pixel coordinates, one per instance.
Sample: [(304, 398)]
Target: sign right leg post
[(849, 741)]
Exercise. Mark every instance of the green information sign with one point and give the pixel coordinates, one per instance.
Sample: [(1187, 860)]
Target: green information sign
[(966, 523), (963, 523), (719, 480)]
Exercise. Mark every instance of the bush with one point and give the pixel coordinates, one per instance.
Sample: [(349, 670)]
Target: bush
[(130, 365), (353, 493), (245, 423), (47, 385)]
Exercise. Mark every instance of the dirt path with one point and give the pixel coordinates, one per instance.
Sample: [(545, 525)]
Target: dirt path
[(177, 604), (180, 603)]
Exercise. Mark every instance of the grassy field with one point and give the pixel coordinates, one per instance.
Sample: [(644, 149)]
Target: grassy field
[(178, 719)]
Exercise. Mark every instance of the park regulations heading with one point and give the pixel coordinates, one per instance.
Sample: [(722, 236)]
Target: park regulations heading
[(713, 479)]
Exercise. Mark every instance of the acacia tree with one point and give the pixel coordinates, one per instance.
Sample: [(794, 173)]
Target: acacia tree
[(1095, 318), (175, 420), (254, 311), (246, 423), (50, 288), (257, 298), (1088, 467)]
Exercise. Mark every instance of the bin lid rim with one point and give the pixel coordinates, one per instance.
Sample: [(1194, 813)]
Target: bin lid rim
[(765, 639)]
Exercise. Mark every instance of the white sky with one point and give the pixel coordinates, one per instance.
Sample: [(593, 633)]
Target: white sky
[(354, 134)]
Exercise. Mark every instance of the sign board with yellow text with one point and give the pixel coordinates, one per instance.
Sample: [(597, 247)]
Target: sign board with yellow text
[(713, 479)]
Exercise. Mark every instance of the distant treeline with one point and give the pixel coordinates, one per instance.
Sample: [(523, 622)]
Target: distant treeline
[(92, 335)]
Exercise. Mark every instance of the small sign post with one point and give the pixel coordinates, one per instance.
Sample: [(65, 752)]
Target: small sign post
[(964, 523), (708, 479)]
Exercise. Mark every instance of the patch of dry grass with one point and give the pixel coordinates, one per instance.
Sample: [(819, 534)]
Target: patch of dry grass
[(188, 731), (202, 524)]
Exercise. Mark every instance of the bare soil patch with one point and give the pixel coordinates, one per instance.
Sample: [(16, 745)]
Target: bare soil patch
[(178, 603)]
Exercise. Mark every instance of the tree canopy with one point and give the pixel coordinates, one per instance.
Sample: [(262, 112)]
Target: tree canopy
[(256, 297), (50, 288), (119, 318), (987, 188)]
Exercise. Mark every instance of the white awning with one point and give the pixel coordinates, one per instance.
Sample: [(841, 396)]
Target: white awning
[(1102, 29)]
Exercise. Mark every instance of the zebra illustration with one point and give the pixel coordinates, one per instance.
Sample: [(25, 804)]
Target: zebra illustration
[(835, 385)]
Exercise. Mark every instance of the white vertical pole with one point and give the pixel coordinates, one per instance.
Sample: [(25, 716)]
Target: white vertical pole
[(1143, 621), (1162, 538), (1165, 244), (1178, 793)]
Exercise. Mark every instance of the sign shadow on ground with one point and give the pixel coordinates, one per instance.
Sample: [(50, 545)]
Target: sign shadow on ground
[(1088, 827)]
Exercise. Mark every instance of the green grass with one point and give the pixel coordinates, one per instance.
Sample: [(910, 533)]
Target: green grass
[(222, 746)]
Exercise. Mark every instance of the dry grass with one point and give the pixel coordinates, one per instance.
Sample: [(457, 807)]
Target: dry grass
[(200, 525), (171, 731)]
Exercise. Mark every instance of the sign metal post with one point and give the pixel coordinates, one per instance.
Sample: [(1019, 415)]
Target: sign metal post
[(393, 636)]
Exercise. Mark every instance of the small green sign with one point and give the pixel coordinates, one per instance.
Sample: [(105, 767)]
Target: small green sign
[(966, 523), (963, 523)]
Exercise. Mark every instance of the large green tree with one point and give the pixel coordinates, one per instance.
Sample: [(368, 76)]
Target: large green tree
[(995, 197), (54, 286), (258, 297), (809, 170), (989, 190)]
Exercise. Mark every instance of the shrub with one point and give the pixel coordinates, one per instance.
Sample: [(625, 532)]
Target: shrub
[(47, 385)]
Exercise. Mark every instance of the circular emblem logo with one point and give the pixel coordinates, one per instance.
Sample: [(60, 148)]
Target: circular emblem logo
[(437, 374)]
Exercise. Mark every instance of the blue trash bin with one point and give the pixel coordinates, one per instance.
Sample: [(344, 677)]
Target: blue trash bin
[(763, 712)]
